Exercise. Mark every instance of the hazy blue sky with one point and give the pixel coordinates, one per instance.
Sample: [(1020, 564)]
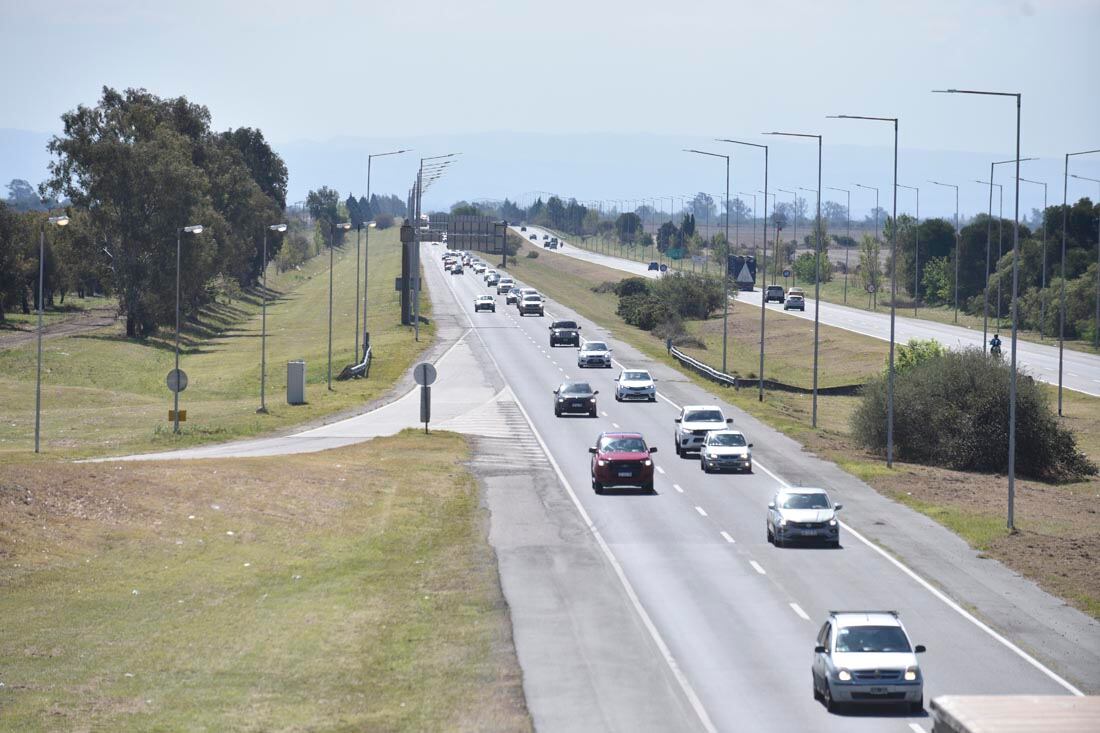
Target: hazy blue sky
[(325, 70)]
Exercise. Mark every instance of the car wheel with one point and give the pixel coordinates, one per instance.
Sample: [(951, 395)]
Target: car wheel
[(771, 537), (557, 413), (916, 707), (703, 466), (592, 412), (653, 398), (676, 445), (827, 698), (648, 486), (817, 692), (597, 486)]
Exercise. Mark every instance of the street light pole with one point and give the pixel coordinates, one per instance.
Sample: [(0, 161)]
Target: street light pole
[(893, 284), (193, 229), (263, 322), (817, 261), (848, 247), (958, 243), (366, 252), (1096, 324), (725, 264), (58, 221), (763, 286), (1062, 317), (343, 226), (878, 234), (1015, 305), (1043, 285)]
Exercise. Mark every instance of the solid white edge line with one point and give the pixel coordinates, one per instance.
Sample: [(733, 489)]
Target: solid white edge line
[(727, 538), (757, 568), (701, 511), (670, 660), (798, 609)]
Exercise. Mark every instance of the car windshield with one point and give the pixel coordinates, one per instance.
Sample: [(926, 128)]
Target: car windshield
[(485, 297), (704, 416), (636, 376), (804, 501), (565, 324), (775, 289), (872, 639), (622, 445), (576, 388), (594, 346), (726, 439)]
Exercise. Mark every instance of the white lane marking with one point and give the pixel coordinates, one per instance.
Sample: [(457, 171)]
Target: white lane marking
[(801, 614), (670, 660), (700, 510), (660, 470), (677, 487), (605, 414), (756, 567), (616, 426), (726, 537), (916, 728), (561, 370)]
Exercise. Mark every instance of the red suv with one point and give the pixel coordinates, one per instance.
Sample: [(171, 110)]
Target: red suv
[(621, 459)]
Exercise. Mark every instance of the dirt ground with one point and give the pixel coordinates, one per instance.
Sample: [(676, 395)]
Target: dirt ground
[(79, 322)]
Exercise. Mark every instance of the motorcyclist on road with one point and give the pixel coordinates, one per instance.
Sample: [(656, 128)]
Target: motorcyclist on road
[(995, 345)]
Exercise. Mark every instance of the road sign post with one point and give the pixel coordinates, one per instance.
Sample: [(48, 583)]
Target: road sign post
[(425, 374)]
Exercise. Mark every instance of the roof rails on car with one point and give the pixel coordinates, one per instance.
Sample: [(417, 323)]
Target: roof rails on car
[(867, 613)]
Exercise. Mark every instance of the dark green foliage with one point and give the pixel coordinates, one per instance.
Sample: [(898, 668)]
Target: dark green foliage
[(951, 410), (644, 310), (383, 221), (532, 254), (631, 286), (627, 227), (689, 295)]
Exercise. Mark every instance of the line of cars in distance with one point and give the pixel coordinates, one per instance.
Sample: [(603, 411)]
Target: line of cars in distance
[(860, 657)]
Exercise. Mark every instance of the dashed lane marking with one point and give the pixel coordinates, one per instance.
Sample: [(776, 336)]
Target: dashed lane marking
[(659, 469), (756, 567), (726, 537), (701, 511), (677, 487), (801, 614)]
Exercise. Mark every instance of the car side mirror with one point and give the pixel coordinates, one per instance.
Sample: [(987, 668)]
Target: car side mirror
[(551, 328), (819, 649), (596, 392), (578, 328), (838, 507), (653, 449), (679, 420), (750, 445), (729, 420), (771, 505), (555, 391), (919, 649), (592, 450)]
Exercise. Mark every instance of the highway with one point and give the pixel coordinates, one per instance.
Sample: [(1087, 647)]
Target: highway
[(737, 616), (1081, 371)]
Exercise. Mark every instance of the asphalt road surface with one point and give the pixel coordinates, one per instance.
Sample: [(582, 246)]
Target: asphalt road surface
[(737, 616), (1081, 372)]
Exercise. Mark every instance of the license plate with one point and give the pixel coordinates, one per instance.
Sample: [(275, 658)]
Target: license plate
[(809, 532), (878, 690), (624, 474)]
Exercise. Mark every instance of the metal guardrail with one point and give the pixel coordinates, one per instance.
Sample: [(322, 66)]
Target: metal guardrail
[(738, 383), (361, 369)]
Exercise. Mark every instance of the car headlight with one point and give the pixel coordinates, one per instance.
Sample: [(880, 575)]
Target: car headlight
[(592, 400), (832, 522), (601, 462), (844, 675), (912, 674), (782, 522), (648, 462), (560, 400), (712, 455)]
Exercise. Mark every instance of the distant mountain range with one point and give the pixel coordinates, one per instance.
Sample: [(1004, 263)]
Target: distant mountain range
[(522, 166)]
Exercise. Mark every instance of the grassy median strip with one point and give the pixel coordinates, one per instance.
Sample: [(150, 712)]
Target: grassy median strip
[(352, 589), (1058, 537), (105, 394)]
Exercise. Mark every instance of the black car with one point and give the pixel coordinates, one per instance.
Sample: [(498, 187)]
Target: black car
[(774, 293), (654, 266), (575, 397), (565, 332)]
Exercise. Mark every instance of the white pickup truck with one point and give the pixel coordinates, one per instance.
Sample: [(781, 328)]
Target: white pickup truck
[(1015, 714)]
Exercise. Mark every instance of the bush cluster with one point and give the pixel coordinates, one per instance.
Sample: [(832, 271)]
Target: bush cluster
[(951, 410), (675, 297)]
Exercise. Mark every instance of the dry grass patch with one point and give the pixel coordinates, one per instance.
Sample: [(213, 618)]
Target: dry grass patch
[(346, 589)]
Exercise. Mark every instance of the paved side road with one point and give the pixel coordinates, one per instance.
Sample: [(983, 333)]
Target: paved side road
[(1081, 371)]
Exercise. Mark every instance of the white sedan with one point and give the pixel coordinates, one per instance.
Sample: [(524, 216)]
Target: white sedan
[(594, 354), (485, 302), (635, 384)]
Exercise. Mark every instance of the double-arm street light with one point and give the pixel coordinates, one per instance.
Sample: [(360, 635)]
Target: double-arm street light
[(60, 221), (847, 247), (878, 234), (817, 260), (958, 242), (366, 261), (436, 164), (916, 251), (893, 282), (726, 257), (1043, 286), (193, 229), (1065, 218), (342, 226), (764, 259), (280, 228), (1096, 324), (1015, 305)]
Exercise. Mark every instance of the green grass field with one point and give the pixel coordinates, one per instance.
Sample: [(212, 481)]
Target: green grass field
[(345, 590), (19, 321), (105, 394)]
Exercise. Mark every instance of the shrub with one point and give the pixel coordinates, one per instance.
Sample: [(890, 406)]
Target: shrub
[(532, 254), (915, 353), (631, 286), (383, 221), (689, 295), (643, 310), (605, 287), (951, 409)]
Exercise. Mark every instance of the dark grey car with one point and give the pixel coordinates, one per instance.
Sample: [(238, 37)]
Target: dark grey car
[(566, 333), (575, 398)]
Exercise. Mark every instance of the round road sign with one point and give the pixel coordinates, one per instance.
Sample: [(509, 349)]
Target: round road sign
[(870, 288), (786, 273), (424, 373), (176, 380)]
